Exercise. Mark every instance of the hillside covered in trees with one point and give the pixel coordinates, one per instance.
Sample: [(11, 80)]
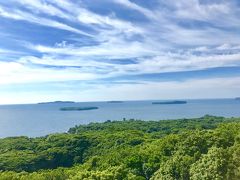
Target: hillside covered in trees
[(201, 148)]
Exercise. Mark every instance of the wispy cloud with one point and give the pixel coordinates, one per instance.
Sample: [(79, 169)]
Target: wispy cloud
[(148, 13), (147, 60), (26, 16), (15, 73), (44, 7)]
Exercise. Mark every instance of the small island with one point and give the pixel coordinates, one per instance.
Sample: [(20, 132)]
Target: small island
[(77, 108), (237, 98), (57, 102), (170, 102), (114, 101)]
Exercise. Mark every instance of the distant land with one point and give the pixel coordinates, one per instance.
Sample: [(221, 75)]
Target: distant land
[(114, 101), (170, 102), (56, 102), (237, 98), (77, 108)]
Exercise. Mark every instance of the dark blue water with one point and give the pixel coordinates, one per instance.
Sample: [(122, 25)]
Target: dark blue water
[(41, 119)]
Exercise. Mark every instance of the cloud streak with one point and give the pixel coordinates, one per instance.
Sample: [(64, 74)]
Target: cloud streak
[(25, 16)]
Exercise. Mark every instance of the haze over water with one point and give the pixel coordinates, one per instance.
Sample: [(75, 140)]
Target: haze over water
[(42, 119)]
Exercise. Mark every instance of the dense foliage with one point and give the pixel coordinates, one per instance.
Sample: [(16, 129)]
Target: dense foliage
[(201, 148)]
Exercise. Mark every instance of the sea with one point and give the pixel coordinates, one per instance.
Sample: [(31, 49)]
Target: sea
[(35, 120)]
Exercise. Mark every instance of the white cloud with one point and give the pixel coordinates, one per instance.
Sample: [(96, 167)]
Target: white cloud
[(148, 13), (6, 51), (45, 7), (165, 25), (224, 47), (155, 62), (15, 73), (116, 48), (87, 17), (219, 13), (25, 16), (201, 48), (181, 62), (228, 47)]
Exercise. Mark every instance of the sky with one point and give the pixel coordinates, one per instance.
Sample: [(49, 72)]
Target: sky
[(95, 50)]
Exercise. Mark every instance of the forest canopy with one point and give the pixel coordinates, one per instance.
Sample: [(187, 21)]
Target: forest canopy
[(200, 148)]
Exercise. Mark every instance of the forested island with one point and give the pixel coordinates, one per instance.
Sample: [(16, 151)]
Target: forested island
[(77, 108), (114, 101), (201, 148), (170, 102), (57, 102)]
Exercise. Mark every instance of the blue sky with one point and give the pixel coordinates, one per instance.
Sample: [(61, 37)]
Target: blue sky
[(95, 50)]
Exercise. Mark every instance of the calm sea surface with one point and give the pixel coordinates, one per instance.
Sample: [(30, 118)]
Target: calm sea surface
[(41, 119)]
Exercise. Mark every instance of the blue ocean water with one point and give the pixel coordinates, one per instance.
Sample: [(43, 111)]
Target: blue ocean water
[(41, 119)]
